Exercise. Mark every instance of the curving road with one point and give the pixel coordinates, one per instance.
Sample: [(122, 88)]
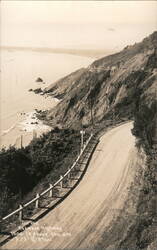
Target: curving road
[(79, 221)]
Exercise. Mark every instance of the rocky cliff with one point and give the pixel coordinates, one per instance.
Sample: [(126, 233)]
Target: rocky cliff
[(108, 88)]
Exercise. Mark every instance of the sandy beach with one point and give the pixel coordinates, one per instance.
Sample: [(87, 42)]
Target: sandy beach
[(24, 130)]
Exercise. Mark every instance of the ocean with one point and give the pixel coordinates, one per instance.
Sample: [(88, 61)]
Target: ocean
[(19, 71)]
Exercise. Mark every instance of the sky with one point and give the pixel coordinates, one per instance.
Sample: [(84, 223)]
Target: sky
[(109, 25)]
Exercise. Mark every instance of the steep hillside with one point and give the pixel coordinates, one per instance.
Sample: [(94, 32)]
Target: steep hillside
[(59, 88), (117, 87), (109, 87)]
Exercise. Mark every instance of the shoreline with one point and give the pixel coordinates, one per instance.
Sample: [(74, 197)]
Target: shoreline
[(89, 53), (18, 99), (25, 130)]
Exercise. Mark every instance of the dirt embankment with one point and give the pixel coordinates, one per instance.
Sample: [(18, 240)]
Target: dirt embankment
[(122, 231)]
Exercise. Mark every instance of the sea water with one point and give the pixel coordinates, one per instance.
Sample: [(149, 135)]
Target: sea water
[(18, 73)]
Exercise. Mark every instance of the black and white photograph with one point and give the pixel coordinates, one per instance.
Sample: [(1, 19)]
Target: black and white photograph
[(78, 125)]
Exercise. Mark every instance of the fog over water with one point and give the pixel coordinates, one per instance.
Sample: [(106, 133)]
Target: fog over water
[(110, 25)]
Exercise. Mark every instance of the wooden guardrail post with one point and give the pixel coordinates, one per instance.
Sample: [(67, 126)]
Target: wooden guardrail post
[(61, 183), (50, 194), (37, 201), (20, 213), (82, 132), (69, 174), (49, 190)]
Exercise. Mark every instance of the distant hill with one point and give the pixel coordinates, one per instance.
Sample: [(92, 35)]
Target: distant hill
[(93, 53), (110, 86)]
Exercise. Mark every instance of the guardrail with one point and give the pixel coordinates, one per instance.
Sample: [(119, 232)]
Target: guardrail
[(38, 196)]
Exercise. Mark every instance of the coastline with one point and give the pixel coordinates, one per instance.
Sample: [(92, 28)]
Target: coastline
[(21, 134), (89, 53), (18, 102)]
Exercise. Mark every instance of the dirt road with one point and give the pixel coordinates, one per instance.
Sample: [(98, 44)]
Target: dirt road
[(79, 221)]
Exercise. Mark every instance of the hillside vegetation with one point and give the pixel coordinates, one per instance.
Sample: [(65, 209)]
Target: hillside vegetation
[(111, 85), (41, 162)]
